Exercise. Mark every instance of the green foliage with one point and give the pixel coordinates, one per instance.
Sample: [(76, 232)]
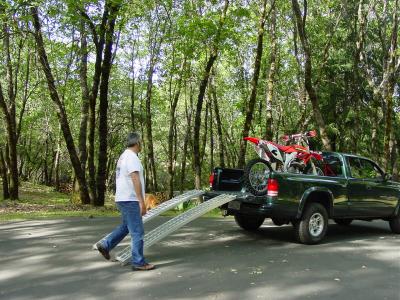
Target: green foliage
[(42, 202), (186, 30)]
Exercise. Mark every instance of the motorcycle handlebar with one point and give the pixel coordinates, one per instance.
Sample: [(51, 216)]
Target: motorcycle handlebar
[(310, 134)]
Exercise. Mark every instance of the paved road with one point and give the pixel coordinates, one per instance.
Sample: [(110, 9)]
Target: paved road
[(207, 259)]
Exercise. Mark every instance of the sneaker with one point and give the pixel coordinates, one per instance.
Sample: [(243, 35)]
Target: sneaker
[(145, 267), (103, 251)]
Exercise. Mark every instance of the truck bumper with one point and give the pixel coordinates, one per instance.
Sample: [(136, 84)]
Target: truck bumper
[(248, 204)]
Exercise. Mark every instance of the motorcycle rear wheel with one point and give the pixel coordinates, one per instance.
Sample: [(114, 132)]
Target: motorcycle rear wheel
[(256, 176)]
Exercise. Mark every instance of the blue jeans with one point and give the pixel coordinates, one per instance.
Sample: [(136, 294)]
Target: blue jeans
[(131, 223)]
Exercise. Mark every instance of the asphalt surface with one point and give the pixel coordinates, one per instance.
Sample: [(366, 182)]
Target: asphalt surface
[(210, 258)]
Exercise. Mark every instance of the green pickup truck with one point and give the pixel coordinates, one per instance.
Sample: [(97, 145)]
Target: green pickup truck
[(357, 188)]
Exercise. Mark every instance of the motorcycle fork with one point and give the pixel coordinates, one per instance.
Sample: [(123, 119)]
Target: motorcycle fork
[(289, 157)]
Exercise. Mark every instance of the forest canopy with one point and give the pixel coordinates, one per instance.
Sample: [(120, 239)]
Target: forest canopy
[(194, 78)]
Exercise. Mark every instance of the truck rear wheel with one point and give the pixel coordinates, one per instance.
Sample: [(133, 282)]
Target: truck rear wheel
[(249, 223), (312, 226), (256, 176), (394, 224)]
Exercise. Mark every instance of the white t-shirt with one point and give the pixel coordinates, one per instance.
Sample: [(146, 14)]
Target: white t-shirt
[(128, 163)]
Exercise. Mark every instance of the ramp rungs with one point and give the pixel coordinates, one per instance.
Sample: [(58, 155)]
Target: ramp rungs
[(165, 206), (174, 224)]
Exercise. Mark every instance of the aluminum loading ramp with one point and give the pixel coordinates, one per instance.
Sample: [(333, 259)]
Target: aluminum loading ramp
[(165, 206), (174, 224)]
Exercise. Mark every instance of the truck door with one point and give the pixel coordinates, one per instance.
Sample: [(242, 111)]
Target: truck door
[(369, 194)]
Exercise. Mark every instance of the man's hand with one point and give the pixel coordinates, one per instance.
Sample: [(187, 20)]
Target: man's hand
[(143, 209), (138, 190)]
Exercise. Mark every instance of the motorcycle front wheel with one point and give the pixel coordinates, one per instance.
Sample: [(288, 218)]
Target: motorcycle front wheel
[(256, 176)]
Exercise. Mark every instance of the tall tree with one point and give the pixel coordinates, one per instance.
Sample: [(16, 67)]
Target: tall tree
[(61, 113), (200, 98), (301, 29), (13, 43), (85, 97), (157, 32), (188, 113), (388, 84), (271, 75), (113, 7), (98, 33), (383, 84), (254, 84), (221, 147), (171, 132), (3, 170)]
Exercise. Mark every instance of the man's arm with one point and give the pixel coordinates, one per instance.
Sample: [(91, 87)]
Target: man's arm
[(137, 185)]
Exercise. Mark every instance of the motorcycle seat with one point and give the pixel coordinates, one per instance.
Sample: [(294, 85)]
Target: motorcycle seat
[(292, 148)]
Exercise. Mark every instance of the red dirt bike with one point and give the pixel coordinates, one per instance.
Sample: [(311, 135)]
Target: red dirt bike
[(293, 158)]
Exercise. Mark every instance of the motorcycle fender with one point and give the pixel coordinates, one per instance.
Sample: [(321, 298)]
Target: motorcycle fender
[(275, 152), (261, 153)]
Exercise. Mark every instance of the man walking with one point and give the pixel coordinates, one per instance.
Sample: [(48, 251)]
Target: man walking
[(129, 198)]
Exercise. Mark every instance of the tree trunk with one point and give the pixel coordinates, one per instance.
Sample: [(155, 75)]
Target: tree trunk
[(300, 20), (61, 113), (271, 76), (132, 96), (85, 99), (219, 125), (200, 99), (103, 107), (171, 136), (204, 141), (187, 139), (197, 123), (356, 89), (12, 146), (396, 150), (149, 131), (45, 162), (385, 88), (9, 109), (3, 169), (99, 41), (57, 164), (305, 115), (155, 52), (91, 154), (388, 84), (254, 86), (211, 134)]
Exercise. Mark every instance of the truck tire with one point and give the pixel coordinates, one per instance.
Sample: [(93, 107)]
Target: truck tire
[(394, 224), (312, 226), (343, 222), (249, 223), (255, 176)]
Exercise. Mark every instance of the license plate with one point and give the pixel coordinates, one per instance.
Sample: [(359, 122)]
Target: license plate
[(234, 205)]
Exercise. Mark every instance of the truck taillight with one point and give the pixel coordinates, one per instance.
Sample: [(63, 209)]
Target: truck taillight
[(211, 180), (272, 187)]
